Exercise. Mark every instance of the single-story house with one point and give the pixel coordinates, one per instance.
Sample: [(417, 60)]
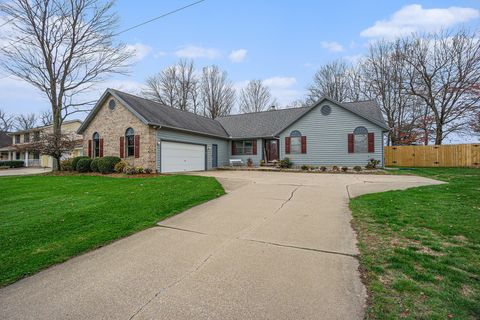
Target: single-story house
[(20, 142), (152, 135)]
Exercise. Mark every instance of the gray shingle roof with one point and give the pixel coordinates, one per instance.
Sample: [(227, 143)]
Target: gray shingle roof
[(369, 109), (249, 125), (271, 123), (260, 124), (158, 114)]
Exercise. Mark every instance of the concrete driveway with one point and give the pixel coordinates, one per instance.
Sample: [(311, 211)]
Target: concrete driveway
[(277, 246), (23, 171)]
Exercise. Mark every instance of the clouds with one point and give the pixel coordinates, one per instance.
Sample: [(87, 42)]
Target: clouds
[(237, 56), (141, 51), (332, 46), (283, 89), (194, 52), (414, 18)]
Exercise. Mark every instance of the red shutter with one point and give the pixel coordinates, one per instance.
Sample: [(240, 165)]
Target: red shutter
[(90, 148), (234, 149), (350, 143), (101, 148), (254, 143), (122, 147), (304, 144), (137, 146), (371, 142), (287, 145)]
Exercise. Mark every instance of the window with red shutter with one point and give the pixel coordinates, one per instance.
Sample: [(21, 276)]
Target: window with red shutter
[(304, 144), (350, 143), (234, 149), (371, 142), (122, 147), (137, 146), (101, 148), (90, 148), (254, 147), (287, 145)]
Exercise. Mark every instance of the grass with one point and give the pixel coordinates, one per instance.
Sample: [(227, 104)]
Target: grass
[(420, 248), (48, 219)]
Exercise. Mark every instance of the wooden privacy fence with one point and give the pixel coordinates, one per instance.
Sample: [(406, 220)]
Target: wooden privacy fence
[(452, 155)]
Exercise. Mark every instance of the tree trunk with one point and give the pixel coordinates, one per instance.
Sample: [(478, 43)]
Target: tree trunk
[(439, 134)]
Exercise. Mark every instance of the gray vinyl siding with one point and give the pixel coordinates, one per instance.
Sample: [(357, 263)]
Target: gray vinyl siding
[(256, 158), (327, 138), (177, 136)]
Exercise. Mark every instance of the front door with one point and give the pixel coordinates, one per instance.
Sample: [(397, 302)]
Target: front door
[(271, 148)]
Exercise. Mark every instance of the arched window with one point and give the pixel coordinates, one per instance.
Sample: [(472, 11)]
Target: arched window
[(96, 145), (361, 139), (295, 141), (130, 142)]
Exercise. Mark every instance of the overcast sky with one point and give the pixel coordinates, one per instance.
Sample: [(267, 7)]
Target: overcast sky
[(280, 42)]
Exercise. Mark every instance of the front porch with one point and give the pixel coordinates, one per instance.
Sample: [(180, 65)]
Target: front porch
[(10, 153)]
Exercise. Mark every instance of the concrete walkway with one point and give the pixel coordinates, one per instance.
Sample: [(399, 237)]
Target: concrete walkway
[(23, 171), (277, 246)]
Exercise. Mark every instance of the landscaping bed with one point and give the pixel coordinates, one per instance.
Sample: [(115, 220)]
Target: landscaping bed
[(48, 219), (420, 248)]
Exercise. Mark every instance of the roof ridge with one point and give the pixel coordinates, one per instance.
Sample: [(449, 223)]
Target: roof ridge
[(265, 111), (163, 105)]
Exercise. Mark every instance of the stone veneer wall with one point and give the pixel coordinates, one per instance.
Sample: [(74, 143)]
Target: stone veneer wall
[(112, 124)]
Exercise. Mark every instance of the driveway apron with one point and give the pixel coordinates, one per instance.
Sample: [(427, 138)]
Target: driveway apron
[(277, 246)]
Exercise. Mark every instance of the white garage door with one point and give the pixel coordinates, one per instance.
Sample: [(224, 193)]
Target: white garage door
[(177, 157)]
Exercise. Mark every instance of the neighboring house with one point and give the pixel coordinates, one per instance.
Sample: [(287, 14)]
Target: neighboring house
[(5, 141), (19, 142), (166, 139)]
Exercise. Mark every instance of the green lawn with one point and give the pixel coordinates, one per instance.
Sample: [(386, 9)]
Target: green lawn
[(420, 248), (47, 219)]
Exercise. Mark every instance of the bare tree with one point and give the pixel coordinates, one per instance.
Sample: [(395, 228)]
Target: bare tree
[(475, 123), (62, 48), (25, 121), (333, 80), (176, 86), (54, 144), (217, 92), (384, 73), (46, 118), (255, 97), (6, 121), (443, 68)]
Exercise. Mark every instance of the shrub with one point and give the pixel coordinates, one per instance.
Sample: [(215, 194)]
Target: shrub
[(12, 163), (130, 170), (66, 165), (323, 169), (305, 167), (75, 161), (372, 164), (140, 170), (357, 168), (120, 167), (148, 170), (262, 163), (335, 168), (344, 169), (94, 164), (107, 164), (285, 163), (84, 165)]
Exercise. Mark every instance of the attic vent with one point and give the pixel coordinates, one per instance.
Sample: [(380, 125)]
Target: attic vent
[(326, 110), (111, 104)]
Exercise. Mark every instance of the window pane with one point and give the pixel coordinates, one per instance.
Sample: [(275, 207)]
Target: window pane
[(296, 145), (361, 143)]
